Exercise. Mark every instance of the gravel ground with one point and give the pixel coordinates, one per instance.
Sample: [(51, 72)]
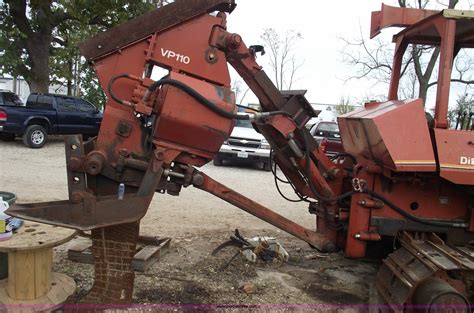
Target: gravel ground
[(198, 222)]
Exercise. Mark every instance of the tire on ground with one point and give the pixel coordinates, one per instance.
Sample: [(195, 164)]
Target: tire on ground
[(35, 136), (267, 166), (217, 162)]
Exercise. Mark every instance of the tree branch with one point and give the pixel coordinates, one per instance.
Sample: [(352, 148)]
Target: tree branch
[(405, 67), (416, 63), (60, 16), (431, 64), (462, 81), (18, 12)]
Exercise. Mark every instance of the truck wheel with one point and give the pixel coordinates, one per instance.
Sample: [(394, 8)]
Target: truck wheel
[(35, 136), (217, 162), (267, 166), (7, 137)]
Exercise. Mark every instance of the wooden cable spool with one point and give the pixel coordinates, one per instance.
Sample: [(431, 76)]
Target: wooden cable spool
[(31, 284)]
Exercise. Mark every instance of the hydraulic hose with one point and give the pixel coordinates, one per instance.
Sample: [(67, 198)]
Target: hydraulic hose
[(377, 196), (109, 88), (193, 93), (414, 218), (196, 95), (204, 101), (310, 182)]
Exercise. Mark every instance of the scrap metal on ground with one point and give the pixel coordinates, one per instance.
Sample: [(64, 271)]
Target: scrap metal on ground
[(265, 248)]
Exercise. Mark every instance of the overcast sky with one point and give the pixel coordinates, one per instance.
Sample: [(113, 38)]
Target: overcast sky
[(321, 24)]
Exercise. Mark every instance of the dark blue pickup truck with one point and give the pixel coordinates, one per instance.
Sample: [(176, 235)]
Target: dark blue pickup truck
[(46, 114)]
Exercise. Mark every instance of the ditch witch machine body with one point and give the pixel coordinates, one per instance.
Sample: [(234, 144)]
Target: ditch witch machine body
[(403, 176)]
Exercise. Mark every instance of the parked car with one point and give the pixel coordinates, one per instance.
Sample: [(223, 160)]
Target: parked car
[(245, 144), (46, 114), (327, 136)]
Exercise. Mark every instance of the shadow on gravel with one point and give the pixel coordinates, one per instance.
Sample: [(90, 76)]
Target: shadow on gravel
[(188, 293), (52, 140)]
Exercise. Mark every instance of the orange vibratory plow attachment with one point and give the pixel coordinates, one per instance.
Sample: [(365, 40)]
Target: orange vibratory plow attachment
[(84, 210), (94, 202)]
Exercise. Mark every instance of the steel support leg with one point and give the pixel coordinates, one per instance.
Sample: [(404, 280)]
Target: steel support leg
[(204, 182), (113, 249)]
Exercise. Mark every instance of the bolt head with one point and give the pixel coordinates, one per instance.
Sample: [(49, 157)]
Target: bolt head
[(74, 163), (235, 41), (76, 197), (124, 152), (159, 155), (198, 180), (93, 167)]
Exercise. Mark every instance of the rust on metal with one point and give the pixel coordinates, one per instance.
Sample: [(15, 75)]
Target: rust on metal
[(405, 173), (402, 277), (390, 16), (113, 249), (136, 29)]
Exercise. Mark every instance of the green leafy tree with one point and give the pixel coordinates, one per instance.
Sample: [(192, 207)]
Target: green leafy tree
[(38, 38), (26, 30), (461, 116), (91, 89)]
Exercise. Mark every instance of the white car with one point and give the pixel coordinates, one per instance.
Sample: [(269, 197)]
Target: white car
[(245, 145)]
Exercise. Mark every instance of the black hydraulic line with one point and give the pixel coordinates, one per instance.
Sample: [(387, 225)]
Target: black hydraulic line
[(407, 215), (273, 169), (310, 182), (196, 95), (377, 196), (203, 100), (193, 93), (109, 87), (301, 199), (277, 179)]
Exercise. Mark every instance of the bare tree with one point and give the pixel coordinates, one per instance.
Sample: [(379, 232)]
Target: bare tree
[(344, 106), (373, 60), (283, 61), (240, 89)]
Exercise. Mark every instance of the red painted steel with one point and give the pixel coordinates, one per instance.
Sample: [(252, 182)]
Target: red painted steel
[(390, 16), (382, 132), (456, 155), (225, 193), (401, 172), (378, 136), (203, 130)]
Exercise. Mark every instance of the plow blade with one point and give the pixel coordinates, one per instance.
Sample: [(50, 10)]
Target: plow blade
[(83, 216)]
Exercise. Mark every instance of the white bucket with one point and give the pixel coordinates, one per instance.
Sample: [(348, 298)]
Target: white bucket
[(4, 220)]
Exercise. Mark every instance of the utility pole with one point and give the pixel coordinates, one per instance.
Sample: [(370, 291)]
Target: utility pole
[(14, 84)]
